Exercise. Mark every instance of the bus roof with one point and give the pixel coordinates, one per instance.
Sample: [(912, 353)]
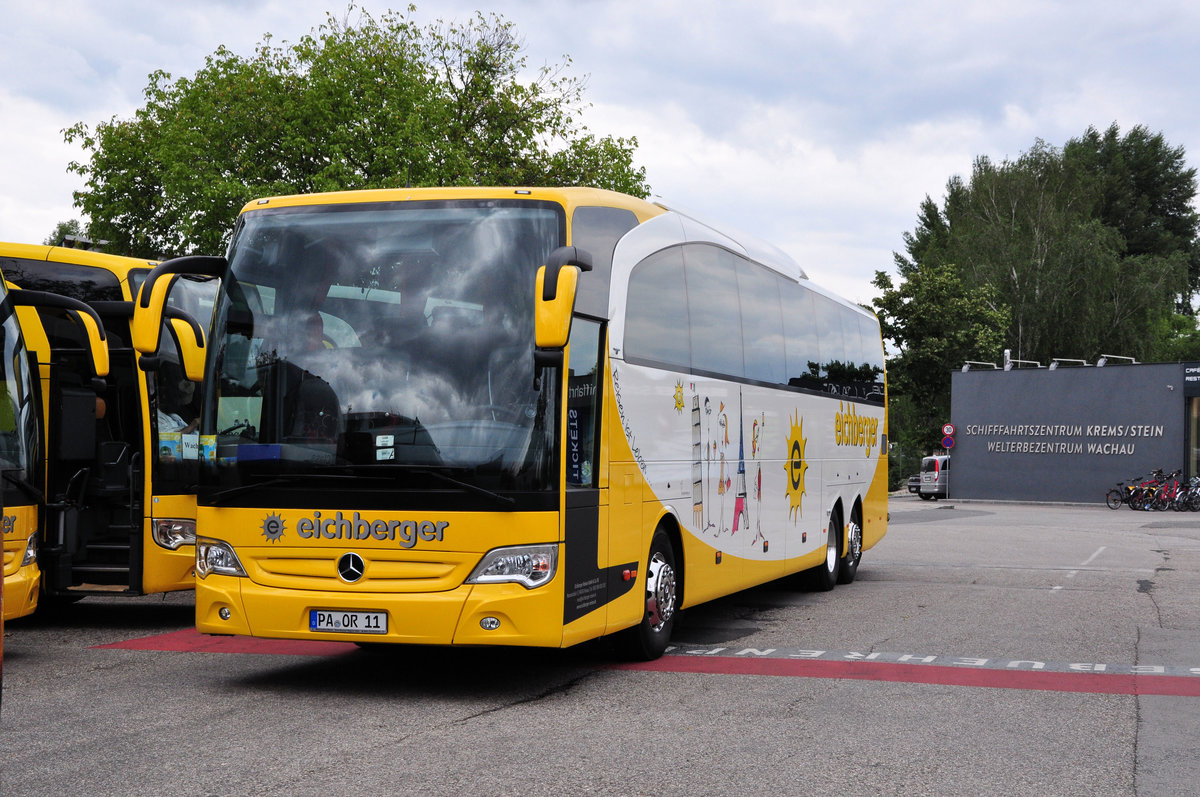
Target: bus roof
[(570, 198), (117, 264)]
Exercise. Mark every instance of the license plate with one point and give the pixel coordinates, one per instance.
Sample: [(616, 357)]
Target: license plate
[(343, 622)]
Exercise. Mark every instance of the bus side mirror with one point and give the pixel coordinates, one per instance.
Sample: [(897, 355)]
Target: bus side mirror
[(189, 339), (189, 342), (97, 344), (82, 314), (557, 284), (149, 310)]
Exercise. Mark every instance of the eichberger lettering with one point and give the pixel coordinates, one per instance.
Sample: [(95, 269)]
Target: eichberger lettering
[(406, 532)]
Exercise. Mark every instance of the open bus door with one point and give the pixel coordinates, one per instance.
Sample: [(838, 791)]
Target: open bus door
[(173, 375), (69, 410), (100, 538)]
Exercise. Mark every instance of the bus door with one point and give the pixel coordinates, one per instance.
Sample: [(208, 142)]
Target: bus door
[(64, 334), (585, 521), (94, 464), (602, 520), (172, 381)]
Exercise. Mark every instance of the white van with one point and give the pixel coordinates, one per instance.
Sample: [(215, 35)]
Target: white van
[(935, 477)]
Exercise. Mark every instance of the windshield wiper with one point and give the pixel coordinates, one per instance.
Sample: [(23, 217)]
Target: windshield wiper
[(291, 478), (474, 488), (25, 486)]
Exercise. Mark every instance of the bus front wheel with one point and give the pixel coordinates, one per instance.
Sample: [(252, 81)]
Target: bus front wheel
[(648, 639)]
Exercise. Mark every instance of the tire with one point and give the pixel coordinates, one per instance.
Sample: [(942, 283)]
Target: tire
[(648, 639), (825, 575), (1113, 498), (926, 496), (854, 549)]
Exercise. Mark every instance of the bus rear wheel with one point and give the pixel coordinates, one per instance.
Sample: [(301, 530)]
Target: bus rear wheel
[(648, 639), (825, 575), (854, 548)]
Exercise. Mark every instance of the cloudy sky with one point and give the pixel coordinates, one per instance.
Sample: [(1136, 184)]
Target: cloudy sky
[(817, 125)]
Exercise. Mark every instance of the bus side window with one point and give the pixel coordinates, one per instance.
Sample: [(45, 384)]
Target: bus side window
[(596, 230), (800, 335), (656, 316), (872, 344), (833, 345), (762, 323), (583, 401), (712, 290)]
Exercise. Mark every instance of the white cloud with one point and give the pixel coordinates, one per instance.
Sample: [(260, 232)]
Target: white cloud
[(36, 192), (819, 126)]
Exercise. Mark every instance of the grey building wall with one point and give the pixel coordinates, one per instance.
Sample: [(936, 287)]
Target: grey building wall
[(1063, 435)]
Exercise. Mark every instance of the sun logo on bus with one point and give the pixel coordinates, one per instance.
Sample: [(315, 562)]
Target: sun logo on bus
[(273, 527), (679, 397), (796, 466)]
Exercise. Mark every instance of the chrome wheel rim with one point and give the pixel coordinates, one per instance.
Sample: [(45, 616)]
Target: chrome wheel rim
[(855, 535), (660, 592), (831, 552)]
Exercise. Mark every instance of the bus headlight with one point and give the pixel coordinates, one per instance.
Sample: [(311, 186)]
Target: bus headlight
[(172, 532), (30, 551), (528, 565), (214, 556)]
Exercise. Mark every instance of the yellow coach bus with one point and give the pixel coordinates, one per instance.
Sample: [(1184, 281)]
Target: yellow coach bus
[(519, 417), (22, 449), (120, 462)]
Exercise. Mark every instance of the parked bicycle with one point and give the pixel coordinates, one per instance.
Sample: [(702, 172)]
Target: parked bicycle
[(1136, 493), (1188, 499), (1166, 493)]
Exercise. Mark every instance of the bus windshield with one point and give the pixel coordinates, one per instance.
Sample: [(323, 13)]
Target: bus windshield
[(391, 340), (18, 419)]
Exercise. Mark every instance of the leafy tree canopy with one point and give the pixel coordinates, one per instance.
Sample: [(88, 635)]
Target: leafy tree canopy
[(1061, 253), (1088, 253), (935, 320), (62, 230), (377, 103)]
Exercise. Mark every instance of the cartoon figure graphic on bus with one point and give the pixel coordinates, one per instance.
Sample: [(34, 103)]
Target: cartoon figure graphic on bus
[(739, 501), (715, 476), (756, 429)]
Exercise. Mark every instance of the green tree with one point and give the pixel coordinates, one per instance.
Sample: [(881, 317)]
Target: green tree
[(1033, 230), (1146, 193), (62, 230), (370, 104), (935, 322), (1071, 252)]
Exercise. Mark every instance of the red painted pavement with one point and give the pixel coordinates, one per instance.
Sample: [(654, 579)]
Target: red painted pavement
[(1096, 683), (190, 641)]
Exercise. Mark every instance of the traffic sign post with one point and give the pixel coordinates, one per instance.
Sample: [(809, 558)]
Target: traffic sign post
[(947, 436)]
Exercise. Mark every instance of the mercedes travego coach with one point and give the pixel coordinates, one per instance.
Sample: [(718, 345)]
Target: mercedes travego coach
[(519, 417)]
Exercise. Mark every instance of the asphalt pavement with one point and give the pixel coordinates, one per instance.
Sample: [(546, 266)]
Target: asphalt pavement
[(983, 649)]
